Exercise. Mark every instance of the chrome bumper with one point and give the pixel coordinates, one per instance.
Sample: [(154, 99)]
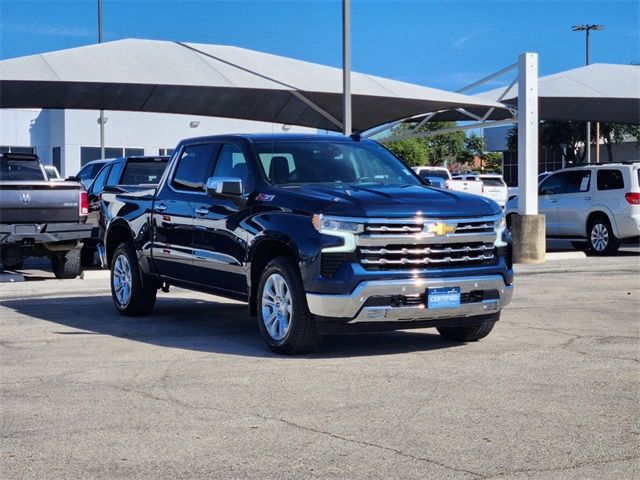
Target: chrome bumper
[(352, 306)]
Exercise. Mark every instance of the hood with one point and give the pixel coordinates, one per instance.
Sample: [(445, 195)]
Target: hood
[(392, 201)]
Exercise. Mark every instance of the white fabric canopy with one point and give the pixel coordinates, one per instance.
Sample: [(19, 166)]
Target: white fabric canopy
[(214, 80)]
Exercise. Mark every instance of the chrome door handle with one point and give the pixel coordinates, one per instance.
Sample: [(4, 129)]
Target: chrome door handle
[(202, 211), (160, 208), (553, 201), (586, 198)]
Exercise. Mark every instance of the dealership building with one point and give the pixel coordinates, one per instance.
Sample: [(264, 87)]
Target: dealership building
[(69, 139)]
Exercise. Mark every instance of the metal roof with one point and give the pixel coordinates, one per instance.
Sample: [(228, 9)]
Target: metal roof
[(598, 92), (213, 80)]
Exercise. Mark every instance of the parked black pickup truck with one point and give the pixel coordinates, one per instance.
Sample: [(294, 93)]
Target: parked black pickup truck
[(40, 217), (317, 233), (125, 174)]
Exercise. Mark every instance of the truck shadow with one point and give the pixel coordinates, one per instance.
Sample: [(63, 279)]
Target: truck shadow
[(207, 326)]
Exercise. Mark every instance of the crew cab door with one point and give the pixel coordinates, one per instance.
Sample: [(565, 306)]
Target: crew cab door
[(220, 243), (173, 207)]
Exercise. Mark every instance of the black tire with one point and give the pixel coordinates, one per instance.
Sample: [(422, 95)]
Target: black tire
[(66, 265), (141, 295), (601, 239), (87, 256), (470, 333), (302, 335)]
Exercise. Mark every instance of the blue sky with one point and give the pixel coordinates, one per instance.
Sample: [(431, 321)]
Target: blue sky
[(442, 44)]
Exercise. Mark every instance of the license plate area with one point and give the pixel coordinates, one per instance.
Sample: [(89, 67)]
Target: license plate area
[(443, 297), (25, 229)]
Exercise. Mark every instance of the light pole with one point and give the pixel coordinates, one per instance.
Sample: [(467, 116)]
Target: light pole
[(587, 29), (101, 119), (346, 67)]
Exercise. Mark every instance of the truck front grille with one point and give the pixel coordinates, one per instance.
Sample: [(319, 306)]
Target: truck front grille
[(392, 257), (392, 228)]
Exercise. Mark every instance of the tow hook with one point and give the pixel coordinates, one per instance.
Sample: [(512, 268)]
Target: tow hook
[(165, 287)]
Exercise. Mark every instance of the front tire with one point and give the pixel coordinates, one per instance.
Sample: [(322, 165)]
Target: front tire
[(66, 265), (130, 295), (283, 315), (602, 241), (469, 333)]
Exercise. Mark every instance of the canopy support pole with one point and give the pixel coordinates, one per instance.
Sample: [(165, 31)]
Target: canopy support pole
[(527, 227)]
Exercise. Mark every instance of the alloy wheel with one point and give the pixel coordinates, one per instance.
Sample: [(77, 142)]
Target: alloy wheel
[(122, 280), (276, 306), (599, 237)]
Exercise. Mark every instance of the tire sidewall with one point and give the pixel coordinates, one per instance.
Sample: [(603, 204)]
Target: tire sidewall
[(611, 241)]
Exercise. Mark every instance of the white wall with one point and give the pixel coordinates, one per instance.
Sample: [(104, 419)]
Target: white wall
[(72, 129)]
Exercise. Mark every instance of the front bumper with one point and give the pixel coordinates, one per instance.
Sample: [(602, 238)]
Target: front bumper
[(486, 294)]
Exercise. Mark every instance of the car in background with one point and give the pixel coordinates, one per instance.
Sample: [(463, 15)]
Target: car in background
[(469, 183), (52, 172), (593, 206), (125, 174), (437, 177), (494, 188), (40, 217), (90, 171)]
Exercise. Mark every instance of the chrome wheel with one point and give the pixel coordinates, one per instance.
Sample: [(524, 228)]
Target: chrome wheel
[(276, 306), (122, 280), (599, 237)]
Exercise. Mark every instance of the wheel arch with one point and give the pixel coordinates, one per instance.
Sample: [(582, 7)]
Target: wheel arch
[(119, 232), (601, 211)]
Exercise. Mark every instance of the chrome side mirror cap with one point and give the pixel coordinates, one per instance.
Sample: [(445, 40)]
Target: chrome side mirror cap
[(224, 187)]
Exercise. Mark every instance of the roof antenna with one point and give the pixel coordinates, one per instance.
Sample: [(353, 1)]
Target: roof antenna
[(355, 136)]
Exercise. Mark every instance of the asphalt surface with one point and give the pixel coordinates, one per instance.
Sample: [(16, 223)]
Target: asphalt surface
[(192, 392)]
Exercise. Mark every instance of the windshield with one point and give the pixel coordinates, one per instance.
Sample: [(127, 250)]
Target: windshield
[(434, 173), (493, 182), (20, 170), (143, 172), (309, 162)]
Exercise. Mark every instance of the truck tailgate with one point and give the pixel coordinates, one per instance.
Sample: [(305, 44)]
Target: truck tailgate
[(39, 202)]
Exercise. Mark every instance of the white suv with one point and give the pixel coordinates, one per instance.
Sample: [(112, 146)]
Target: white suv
[(596, 205)]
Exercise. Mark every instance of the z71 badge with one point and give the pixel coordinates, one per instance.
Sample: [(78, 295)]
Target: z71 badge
[(263, 197)]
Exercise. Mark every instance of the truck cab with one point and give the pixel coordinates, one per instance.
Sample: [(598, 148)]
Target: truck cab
[(317, 234)]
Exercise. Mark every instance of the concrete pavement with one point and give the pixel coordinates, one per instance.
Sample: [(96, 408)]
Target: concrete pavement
[(192, 392)]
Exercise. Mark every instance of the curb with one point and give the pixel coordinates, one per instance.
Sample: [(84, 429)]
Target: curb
[(95, 275), (550, 256)]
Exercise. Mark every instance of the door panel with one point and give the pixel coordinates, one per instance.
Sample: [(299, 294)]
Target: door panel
[(573, 205), (220, 244)]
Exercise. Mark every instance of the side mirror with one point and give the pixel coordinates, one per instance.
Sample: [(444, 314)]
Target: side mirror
[(224, 187)]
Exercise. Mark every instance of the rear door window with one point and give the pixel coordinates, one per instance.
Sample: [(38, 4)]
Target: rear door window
[(100, 181), (193, 167), (142, 172), (610, 179)]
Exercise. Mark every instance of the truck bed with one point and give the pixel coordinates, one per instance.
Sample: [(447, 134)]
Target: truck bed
[(39, 202)]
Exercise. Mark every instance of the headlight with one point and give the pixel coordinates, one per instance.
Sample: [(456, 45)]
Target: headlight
[(326, 224), (500, 226), (338, 227)]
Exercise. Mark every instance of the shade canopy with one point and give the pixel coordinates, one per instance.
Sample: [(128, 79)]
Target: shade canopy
[(213, 80), (598, 92)]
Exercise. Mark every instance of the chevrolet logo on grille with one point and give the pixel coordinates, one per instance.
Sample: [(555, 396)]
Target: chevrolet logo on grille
[(439, 229)]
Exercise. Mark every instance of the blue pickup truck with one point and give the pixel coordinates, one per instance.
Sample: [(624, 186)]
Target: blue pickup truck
[(316, 233)]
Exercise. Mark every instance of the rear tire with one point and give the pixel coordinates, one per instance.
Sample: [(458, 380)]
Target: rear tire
[(67, 265), (284, 319), (130, 295), (470, 333), (602, 241)]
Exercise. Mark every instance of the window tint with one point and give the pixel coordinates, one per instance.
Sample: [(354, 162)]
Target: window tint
[(101, 179), (20, 170), (566, 182), (610, 180), (493, 182), (193, 166), (114, 176), (425, 173), (143, 172), (232, 163)]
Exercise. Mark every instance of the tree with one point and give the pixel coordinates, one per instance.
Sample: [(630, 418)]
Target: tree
[(411, 150)]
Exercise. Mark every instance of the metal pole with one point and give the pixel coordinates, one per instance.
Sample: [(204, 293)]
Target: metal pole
[(588, 142), (528, 134), (346, 66), (101, 119)]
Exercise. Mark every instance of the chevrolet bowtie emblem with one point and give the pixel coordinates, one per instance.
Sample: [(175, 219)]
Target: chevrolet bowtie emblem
[(440, 229)]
